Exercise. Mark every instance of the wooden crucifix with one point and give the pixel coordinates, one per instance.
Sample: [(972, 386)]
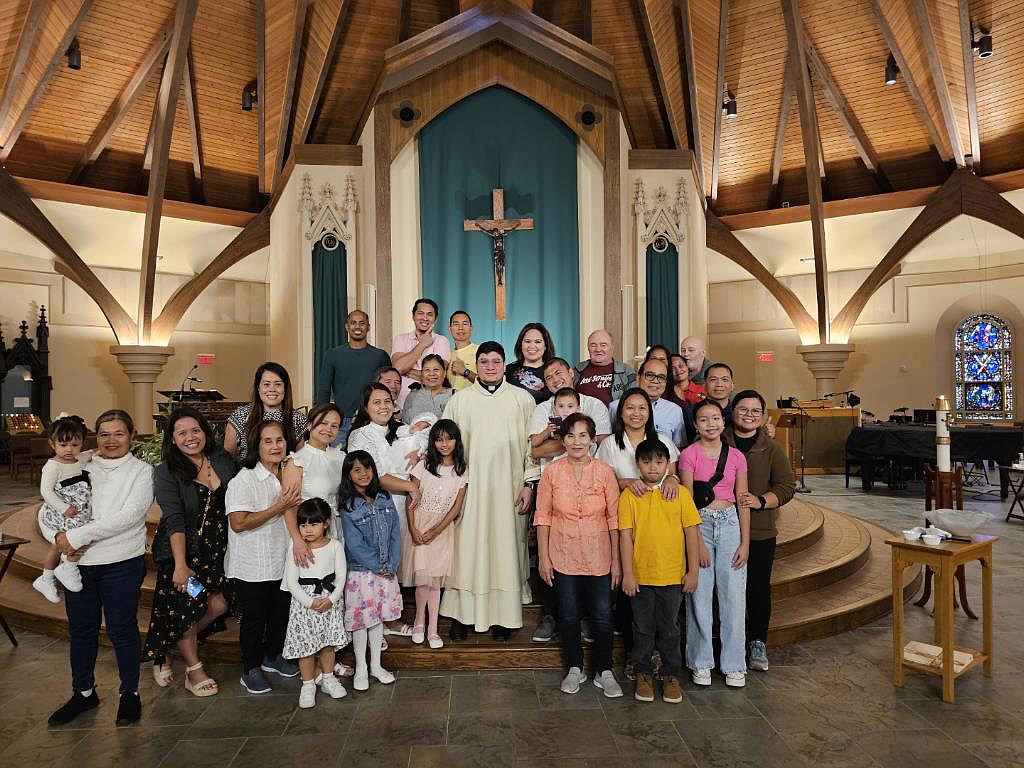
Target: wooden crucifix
[(497, 228)]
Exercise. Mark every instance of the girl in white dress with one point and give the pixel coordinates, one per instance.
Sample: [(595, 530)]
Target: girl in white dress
[(442, 478), (316, 622)]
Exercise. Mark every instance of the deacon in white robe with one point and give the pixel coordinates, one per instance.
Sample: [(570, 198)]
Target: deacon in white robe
[(490, 565)]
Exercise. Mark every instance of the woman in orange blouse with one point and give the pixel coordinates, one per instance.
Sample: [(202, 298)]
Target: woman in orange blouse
[(578, 549)]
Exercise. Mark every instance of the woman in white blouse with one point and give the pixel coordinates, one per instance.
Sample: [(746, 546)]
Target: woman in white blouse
[(632, 424), (257, 547), (374, 429), (316, 467)]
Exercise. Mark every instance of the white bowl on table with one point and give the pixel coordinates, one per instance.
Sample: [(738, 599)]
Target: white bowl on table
[(959, 522), (932, 539)]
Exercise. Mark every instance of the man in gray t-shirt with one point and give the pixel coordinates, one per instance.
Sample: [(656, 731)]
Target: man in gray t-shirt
[(348, 368)]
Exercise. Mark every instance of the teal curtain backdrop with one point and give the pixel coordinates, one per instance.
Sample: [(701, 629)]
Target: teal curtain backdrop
[(330, 300), (663, 297), (497, 138)]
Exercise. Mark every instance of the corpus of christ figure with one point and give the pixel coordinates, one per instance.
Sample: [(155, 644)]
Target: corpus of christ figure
[(497, 228)]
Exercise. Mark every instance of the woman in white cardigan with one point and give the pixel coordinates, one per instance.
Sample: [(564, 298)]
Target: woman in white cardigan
[(113, 547)]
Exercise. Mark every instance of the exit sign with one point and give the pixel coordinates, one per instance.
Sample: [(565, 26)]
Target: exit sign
[(765, 357), (206, 359)]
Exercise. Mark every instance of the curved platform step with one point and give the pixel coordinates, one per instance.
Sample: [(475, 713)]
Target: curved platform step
[(842, 549)]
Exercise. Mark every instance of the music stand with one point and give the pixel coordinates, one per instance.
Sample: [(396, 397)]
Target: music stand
[(789, 421)]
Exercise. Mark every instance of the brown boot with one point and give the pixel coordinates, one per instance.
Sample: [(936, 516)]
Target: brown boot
[(670, 690), (644, 689)]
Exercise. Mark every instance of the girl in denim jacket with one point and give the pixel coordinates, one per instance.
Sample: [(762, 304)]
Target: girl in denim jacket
[(373, 542)]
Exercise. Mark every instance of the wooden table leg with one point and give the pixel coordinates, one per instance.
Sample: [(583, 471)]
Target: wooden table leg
[(897, 618), (944, 631), (927, 588), (961, 580), (3, 571), (986, 599)]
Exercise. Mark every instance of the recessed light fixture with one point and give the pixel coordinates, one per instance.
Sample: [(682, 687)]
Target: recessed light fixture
[(892, 70), (982, 45)]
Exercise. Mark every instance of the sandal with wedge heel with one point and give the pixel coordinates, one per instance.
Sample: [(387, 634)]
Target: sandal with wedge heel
[(203, 688), (163, 675)]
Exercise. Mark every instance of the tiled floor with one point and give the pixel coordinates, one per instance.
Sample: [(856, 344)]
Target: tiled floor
[(824, 703)]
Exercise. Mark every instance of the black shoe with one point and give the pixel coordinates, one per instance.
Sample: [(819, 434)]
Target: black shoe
[(75, 706), (500, 633), (129, 710), (458, 631)]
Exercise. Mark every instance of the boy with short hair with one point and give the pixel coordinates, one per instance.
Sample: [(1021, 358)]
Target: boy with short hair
[(655, 562), (566, 402)]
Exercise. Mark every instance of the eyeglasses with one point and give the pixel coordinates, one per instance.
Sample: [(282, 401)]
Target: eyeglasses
[(656, 377), (749, 411)]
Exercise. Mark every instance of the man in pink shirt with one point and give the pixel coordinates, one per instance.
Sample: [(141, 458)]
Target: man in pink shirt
[(409, 349)]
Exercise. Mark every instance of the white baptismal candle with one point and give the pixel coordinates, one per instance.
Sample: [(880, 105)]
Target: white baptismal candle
[(942, 433)]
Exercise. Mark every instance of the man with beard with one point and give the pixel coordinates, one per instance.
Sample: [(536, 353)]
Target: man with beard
[(693, 352), (488, 585), (348, 368), (602, 376)]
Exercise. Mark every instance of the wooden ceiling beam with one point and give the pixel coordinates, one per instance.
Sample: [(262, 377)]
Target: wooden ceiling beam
[(26, 42), (254, 236), (261, 95), (124, 102), (288, 100), (785, 107), (660, 30), (723, 39), (812, 166), (339, 25), (908, 75), (721, 239), (689, 67), (404, 20), (926, 34), (166, 107), (587, 21), (16, 205), (192, 111), (967, 48), (851, 125), (39, 88)]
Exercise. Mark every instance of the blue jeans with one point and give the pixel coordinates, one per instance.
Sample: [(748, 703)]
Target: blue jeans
[(592, 594), (110, 592), (346, 426), (721, 531)]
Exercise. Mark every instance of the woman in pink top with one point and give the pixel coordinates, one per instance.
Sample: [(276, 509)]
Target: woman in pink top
[(578, 549), (725, 531)]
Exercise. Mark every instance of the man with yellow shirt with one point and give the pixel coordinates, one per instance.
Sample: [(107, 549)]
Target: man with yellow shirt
[(655, 562), (462, 369)]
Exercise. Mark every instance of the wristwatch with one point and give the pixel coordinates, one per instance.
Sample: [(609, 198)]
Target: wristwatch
[(763, 502), (465, 373)]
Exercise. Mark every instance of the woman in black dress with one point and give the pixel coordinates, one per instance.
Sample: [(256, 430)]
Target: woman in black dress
[(189, 546)]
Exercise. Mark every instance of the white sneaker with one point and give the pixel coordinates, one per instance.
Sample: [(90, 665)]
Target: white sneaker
[(47, 588), (701, 677), (361, 682), (571, 682), (606, 682), (332, 686), (736, 679), (343, 670), (307, 695), (68, 575), (383, 676)]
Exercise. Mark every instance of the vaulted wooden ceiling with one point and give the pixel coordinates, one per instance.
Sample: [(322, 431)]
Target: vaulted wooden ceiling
[(318, 63)]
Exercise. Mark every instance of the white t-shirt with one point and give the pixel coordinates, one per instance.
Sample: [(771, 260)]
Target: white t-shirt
[(258, 554), (590, 406)]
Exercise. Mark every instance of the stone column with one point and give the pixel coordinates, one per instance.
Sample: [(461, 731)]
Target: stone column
[(826, 361), (142, 366)]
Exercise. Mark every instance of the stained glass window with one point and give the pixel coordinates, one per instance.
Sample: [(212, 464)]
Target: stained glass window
[(983, 369)]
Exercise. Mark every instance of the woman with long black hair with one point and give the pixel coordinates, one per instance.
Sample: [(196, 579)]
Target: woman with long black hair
[(271, 400)]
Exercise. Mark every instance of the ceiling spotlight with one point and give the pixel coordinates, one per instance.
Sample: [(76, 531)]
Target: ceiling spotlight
[(892, 70), (74, 54), (983, 44), (250, 96), (729, 104)]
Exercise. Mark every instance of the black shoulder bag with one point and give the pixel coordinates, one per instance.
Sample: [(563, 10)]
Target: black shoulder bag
[(704, 490)]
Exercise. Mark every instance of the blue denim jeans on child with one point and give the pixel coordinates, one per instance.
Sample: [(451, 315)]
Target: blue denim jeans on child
[(721, 532)]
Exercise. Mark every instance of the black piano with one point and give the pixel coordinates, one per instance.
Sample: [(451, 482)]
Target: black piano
[(915, 443)]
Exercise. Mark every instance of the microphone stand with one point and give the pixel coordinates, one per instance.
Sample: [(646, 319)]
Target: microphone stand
[(181, 390), (801, 488)]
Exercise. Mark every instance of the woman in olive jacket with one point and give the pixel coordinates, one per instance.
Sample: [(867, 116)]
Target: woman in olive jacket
[(770, 484)]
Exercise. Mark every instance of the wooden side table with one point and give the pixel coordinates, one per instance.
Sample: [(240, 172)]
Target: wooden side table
[(9, 544), (943, 559)]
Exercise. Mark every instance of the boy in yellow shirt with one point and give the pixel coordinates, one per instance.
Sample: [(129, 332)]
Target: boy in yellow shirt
[(652, 535)]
